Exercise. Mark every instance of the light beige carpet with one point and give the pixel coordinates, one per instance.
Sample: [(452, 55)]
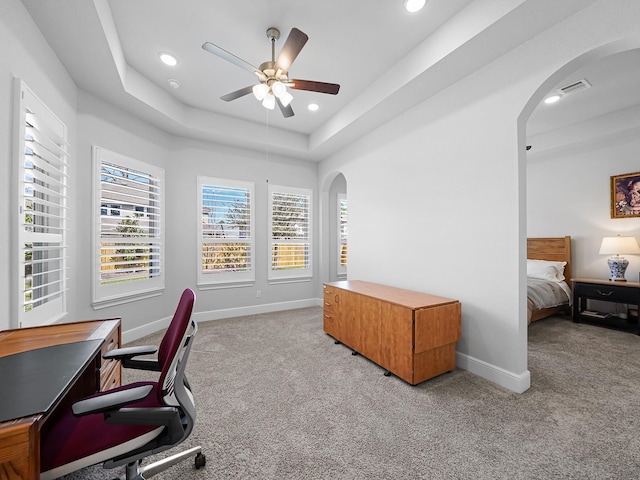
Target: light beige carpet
[(278, 400)]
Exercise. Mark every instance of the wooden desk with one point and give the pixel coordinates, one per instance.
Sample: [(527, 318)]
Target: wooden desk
[(412, 335), (20, 438)]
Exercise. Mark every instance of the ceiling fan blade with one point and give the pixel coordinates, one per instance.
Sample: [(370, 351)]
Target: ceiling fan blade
[(286, 111), (290, 50), (237, 94), (229, 57), (310, 85)]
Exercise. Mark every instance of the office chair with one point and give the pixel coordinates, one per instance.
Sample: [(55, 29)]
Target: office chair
[(124, 425)]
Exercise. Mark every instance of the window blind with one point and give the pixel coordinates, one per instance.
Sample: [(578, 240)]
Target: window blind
[(130, 227), (290, 232), (342, 234), (43, 196), (226, 231)]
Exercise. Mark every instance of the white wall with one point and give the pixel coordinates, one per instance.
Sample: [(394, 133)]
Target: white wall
[(454, 194), (183, 160), (568, 189), (26, 55)]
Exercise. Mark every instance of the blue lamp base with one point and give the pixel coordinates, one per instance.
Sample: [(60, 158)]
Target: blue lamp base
[(618, 265)]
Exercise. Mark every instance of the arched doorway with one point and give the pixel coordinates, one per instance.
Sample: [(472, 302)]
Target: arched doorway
[(334, 228), (577, 146)]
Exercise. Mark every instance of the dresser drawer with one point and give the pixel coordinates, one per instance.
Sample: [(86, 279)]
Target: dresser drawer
[(612, 293), (110, 371), (330, 299), (110, 377)]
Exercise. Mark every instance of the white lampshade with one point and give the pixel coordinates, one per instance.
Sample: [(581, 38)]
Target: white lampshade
[(269, 102), (260, 91), (278, 89), (286, 98), (619, 246)]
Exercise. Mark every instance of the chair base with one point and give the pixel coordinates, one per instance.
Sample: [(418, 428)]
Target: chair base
[(136, 472)]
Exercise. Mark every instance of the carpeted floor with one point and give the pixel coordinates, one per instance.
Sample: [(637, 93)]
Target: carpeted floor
[(278, 400)]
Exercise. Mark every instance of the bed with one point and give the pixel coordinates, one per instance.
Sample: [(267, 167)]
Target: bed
[(548, 282)]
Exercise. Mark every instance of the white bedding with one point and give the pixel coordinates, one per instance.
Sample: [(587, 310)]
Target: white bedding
[(546, 294)]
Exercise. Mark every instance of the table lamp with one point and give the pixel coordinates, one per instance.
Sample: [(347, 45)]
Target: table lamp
[(616, 246)]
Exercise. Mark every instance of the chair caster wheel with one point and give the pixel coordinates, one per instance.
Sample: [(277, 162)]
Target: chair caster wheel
[(201, 460)]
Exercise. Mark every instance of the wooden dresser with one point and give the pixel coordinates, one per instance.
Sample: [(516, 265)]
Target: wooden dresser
[(412, 335), (20, 437)]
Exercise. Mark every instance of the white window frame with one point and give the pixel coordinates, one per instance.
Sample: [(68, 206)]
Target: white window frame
[(220, 279), (341, 238), (41, 217), (295, 274), (105, 294)]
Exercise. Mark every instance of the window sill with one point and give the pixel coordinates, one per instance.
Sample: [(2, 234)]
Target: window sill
[(220, 286)]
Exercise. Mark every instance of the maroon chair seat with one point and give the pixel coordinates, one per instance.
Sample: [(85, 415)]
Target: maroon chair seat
[(74, 437)]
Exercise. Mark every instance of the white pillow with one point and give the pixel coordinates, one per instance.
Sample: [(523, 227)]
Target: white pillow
[(546, 270)]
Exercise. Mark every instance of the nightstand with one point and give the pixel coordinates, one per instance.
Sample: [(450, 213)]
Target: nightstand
[(605, 291)]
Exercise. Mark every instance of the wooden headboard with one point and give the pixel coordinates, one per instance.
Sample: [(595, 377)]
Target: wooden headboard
[(554, 249)]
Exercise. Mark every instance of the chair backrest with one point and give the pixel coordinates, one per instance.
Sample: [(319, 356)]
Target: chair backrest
[(174, 390), (172, 348)]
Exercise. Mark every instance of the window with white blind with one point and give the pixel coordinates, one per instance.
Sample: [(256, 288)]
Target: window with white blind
[(289, 233), (342, 234), (225, 232), (42, 164), (129, 229)]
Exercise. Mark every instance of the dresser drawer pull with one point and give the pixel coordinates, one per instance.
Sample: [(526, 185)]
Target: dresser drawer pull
[(605, 294), (327, 304), (327, 316)]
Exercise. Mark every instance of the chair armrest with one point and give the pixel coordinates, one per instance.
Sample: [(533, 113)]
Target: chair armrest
[(126, 356), (168, 417), (110, 401), (129, 352)]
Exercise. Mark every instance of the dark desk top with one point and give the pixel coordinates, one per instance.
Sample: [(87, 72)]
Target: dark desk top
[(33, 381)]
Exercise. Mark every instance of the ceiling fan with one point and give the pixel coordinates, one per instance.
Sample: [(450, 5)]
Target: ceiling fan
[(273, 74)]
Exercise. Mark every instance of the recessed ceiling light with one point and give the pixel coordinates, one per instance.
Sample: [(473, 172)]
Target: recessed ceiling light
[(553, 98), (313, 107), (173, 83), (168, 59), (413, 6)]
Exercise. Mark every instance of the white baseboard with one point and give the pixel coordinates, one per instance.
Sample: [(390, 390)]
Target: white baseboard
[(147, 329), (158, 325), (515, 382)]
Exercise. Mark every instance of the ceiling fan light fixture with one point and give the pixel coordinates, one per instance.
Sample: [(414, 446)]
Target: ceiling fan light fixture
[(269, 102), (286, 98), (278, 89), (260, 91), (273, 74), (413, 6)]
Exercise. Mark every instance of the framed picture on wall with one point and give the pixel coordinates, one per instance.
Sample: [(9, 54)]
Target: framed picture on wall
[(625, 195)]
